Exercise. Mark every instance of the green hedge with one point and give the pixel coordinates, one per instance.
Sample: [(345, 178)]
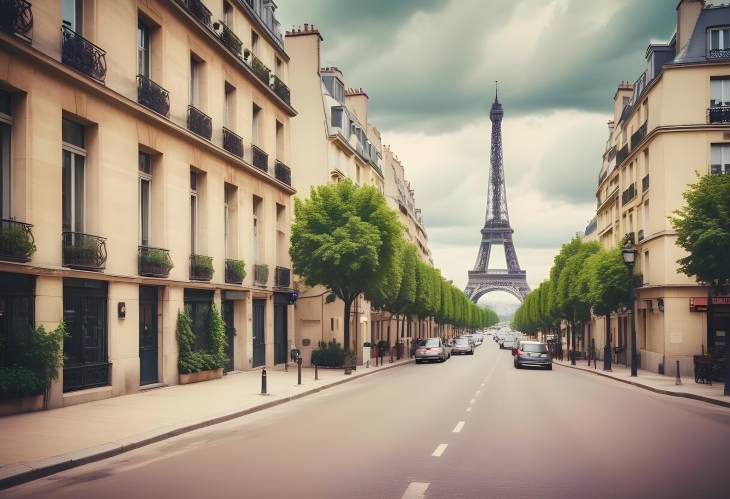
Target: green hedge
[(329, 354), (193, 361)]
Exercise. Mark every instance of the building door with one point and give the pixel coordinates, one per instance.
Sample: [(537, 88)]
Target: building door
[(227, 308), (148, 335), (259, 338), (721, 330), (281, 302)]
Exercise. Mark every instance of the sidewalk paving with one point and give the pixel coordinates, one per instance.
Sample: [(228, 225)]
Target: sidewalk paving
[(658, 383), (37, 444)]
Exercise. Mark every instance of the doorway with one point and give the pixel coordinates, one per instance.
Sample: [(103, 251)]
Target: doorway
[(281, 303), (148, 372), (259, 335), (227, 307)]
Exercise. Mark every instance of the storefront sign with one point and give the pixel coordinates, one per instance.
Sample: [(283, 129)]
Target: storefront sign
[(699, 303)]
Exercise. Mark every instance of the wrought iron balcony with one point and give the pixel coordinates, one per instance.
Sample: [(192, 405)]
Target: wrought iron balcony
[(638, 136), (622, 154), (260, 158), (88, 375), (201, 268), (641, 235), (645, 183), (235, 271), (261, 274), (261, 70), (198, 10), (84, 251), (230, 40), (280, 89), (718, 54), (282, 172), (82, 55), (16, 241), (591, 227), (282, 277), (232, 143), (719, 114), (16, 17), (153, 96), (154, 262), (628, 194), (199, 123)]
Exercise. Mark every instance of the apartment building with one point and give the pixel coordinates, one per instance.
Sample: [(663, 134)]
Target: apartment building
[(670, 124), (144, 153)]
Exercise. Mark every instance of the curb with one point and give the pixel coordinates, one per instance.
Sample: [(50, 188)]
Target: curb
[(686, 395), (20, 473)]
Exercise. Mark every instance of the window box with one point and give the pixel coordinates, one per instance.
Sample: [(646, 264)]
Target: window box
[(260, 69), (283, 277), (281, 90), (16, 241), (201, 268), (230, 40), (84, 251), (261, 274), (235, 271), (154, 262)]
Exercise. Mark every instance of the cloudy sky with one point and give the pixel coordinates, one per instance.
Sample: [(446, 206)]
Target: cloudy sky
[(429, 68)]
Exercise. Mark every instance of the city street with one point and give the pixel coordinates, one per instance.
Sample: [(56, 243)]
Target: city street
[(472, 427)]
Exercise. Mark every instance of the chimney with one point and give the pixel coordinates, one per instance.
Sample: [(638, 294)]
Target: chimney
[(688, 11)]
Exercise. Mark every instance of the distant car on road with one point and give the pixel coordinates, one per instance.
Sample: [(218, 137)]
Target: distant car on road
[(508, 344), (431, 349), (462, 346), (532, 353)]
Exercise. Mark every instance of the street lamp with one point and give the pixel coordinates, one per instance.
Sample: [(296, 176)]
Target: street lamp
[(629, 254)]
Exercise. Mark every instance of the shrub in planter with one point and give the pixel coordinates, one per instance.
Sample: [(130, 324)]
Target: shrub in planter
[(16, 241), (193, 361), (156, 260), (235, 270), (329, 354)]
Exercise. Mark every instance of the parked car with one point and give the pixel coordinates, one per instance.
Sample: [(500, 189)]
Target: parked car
[(532, 353), (462, 346), (431, 349), (508, 344)]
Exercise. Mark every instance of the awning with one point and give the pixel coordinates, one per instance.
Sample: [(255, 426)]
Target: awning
[(699, 303)]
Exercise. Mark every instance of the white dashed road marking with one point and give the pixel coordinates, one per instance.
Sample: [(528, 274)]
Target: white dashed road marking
[(468, 409), (472, 401), (440, 450), (459, 426), (416, 490), (478, 392)]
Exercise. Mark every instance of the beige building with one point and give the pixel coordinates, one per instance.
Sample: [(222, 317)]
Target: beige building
[(672, 122), (144, 149)]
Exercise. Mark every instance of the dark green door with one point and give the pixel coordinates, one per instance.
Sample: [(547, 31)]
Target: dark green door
[(281, 302), (259, 338), (227, 307), (147, 335)]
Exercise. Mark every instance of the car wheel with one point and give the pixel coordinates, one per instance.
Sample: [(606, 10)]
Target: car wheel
[(418, 361), (550, 367)]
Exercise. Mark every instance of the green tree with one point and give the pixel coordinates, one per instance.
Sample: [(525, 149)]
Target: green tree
[(345, 238)]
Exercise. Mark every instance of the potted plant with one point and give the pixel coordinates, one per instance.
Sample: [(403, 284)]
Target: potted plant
[(235, 271), (201, 365), (156, 261), (16, 241), (350, 362)]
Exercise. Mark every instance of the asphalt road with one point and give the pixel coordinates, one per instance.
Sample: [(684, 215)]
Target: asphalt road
[(473, 427)]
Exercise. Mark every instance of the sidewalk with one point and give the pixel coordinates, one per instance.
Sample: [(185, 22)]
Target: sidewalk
[(37, 444), (656, 382)]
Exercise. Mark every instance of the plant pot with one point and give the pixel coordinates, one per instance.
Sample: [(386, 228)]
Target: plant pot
[(199, 376), (348, 370), (26, 403)]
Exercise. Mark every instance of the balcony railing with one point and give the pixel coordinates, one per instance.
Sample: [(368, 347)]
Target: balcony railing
[(719, 114), (622, 154), (638, 136), (261, 70), (232, 143), (199, 123), (591, 227), (16, 241), (198, 10), (260, 159), (153, 96), (154, 262), (230, 40), (628, 194), (82, 55), (201, 268), (16, 17), (84, 251), (282, 172), (280, 89), (718, 54), (261, 274), (88, 375), (645, 183), (235, 271), (641, 235), (282, 277)]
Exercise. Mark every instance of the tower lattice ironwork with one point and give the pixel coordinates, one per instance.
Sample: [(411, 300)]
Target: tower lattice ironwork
[(497, 229)]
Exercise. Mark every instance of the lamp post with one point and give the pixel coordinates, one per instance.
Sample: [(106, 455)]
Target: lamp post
[(629, 254)]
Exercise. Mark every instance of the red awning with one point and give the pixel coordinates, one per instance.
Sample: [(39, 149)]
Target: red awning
[(699, 303)]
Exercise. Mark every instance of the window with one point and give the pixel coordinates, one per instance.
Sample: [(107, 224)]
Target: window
[(229, 106), (230, 225), (334, 87), (145, 181), (718, 39), (256, 125), (337, 117), (720, 158), (254, 43), (5, 167), (143, 48), (193, 211), (279, 141), (73, 175), (228, 14), (719, 92), (72, 15), (194, 81)]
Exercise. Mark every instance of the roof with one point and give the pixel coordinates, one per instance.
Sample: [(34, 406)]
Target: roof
[(696, 49)]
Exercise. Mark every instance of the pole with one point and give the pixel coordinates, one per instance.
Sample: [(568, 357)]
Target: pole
[(678, 381), (634, 356), (299, 370), (316, 373), (263, 381), (607, 346)]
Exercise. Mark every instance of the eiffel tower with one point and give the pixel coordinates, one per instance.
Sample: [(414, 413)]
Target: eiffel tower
[(497, 229)]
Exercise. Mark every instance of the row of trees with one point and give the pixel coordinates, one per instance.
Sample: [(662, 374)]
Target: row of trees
[(346, 238)]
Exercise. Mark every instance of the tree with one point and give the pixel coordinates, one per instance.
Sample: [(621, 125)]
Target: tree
[(703, 231), (345, 238)]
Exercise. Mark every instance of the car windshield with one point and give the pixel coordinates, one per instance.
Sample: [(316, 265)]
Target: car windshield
[(431, 342), (534, 347), (462, 341)]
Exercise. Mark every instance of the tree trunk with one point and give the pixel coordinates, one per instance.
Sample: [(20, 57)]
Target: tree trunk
[(607, 346), (346, 326), (572, 342)]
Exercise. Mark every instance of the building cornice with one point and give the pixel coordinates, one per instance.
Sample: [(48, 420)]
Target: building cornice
[(271, 37)]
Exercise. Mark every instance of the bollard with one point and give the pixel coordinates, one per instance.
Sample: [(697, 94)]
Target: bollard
[(316, 373), (594, 361), (367, 364), (299, 371), (679, 379), (263, 381), (286, 366)]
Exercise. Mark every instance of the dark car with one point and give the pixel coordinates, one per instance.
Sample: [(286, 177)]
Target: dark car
[(533, 354), (431, 349), (462, 346)]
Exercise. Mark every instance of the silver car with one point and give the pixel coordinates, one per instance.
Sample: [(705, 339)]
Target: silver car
[(431, 349), (532, 354), (462, 346)]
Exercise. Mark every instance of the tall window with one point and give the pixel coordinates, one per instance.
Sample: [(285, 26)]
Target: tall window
[(718, 39), (256, 125), (228, 14), (334, 87), (229, 108), (193, 211), (720, 158), (72, 15), (143, 48), (5, 132), (719, 92), (73, 175), (279, 141), (254, 43), (145, 182), (337, 116), (194, 81)]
